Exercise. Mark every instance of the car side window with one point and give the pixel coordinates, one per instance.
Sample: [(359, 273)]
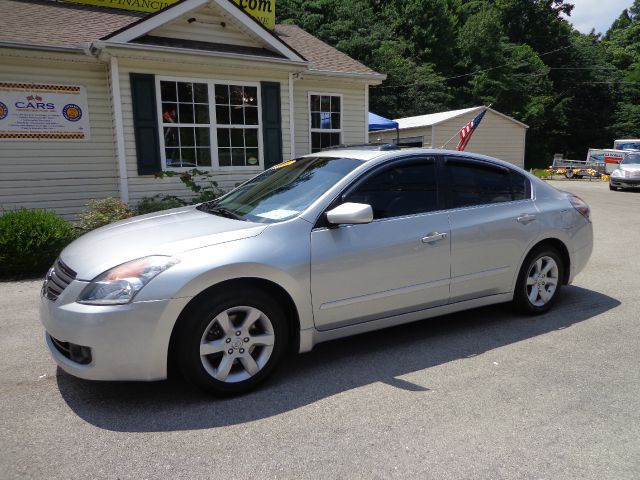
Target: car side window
[(520, 186), (472, 183), (403, 189)]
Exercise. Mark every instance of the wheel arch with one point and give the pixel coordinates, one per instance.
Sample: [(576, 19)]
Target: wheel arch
[(278, 292), (561, 248)]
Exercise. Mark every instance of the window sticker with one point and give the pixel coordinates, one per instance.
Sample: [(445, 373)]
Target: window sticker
[(277, 214), (284, 164)]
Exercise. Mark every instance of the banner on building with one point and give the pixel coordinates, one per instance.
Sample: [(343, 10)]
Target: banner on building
[(136, 5), (262, 10), (35, 111)]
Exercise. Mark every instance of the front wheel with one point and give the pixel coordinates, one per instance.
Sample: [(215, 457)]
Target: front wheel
[(539, 281), (230, 343)]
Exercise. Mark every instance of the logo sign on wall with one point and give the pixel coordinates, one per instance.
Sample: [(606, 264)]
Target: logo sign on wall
[(262, 10), (34, 111)]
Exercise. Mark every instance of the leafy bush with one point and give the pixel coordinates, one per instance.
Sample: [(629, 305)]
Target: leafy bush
[(158, 203), (199, 182), (102, 212), (30, 241)]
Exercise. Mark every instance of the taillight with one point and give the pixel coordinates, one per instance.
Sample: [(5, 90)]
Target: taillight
[(581, 206)]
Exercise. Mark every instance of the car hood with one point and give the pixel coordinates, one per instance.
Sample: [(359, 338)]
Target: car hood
[(631, 167), (163, 233)]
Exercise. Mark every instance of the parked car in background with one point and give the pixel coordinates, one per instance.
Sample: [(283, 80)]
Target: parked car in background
[(325, 246), (627, 175)]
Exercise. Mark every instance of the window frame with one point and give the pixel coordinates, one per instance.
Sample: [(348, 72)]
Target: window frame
[(321, 221), (213, 124), (480, 163), (325, 130)]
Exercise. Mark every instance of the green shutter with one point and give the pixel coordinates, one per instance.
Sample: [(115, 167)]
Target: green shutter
[(145, 123), (271, 123)]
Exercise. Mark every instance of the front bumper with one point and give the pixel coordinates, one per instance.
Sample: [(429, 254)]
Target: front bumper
[(126, 342), (625, 182)]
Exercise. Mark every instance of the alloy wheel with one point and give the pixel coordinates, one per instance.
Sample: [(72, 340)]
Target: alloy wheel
[(237, 344), (542, 281)]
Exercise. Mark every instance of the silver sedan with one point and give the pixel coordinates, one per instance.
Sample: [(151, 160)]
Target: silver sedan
[(627, 175), (317, 248)]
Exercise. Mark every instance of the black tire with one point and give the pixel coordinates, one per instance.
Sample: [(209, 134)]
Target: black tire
[(568, 174), (611, 187), (191, 331), (521, 301)]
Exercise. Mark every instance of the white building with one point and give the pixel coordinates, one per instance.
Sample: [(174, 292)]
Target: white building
[(94, 101), (497, 135)]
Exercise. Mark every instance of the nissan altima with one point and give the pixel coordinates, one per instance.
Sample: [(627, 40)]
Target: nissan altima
[(324, 246)]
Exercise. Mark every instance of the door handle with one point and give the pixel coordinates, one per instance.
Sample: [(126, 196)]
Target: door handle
[(526, 219), (434, 237)]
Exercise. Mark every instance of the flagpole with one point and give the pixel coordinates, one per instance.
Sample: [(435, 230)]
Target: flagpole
[(458, 132)]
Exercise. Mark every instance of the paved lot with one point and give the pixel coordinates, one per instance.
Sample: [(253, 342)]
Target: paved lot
[(483, 394)]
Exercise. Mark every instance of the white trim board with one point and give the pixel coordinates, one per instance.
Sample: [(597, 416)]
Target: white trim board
[(212, 125), (227, 9)]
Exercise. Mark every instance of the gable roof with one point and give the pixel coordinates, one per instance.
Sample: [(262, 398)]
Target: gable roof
[(254, 28), (439, 117), (63, 25)]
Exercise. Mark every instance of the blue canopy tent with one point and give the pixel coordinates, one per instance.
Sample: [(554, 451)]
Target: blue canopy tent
[(376, 122)]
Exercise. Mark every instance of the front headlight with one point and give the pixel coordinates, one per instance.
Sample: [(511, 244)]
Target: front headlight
[(618, 173), (120, 284)]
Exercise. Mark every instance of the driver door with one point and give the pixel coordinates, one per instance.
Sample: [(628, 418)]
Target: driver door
[(398, 263)]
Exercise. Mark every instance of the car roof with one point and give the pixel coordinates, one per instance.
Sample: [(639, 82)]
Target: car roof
[(368, 155)]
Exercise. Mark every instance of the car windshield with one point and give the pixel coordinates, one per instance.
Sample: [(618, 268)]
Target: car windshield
[(283, 191), (632, 159)]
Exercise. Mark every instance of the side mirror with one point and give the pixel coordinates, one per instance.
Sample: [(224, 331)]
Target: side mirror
[(350, 214)]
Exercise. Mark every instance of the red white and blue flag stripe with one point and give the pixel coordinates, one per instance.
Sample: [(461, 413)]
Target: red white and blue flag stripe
[(466, 131)]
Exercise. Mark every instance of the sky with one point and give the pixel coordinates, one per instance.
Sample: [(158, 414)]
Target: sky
[(598, 14)]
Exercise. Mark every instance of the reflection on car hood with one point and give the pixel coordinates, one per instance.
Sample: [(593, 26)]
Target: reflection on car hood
[(631, 167), (163, 233)]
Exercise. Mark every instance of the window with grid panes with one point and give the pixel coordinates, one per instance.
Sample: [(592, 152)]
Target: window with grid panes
[(237, 123), (185, 124), (326, 121)]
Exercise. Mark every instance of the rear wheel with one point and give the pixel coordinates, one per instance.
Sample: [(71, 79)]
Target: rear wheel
[(230, 343), (539, 281)]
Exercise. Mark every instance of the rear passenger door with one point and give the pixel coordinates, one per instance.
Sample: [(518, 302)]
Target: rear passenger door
[(493, 221)]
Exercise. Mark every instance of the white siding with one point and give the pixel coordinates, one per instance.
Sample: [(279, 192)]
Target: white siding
[(207, 28), (62, 175), (496, 136), (141, 186), (353, 110), (391, 135)]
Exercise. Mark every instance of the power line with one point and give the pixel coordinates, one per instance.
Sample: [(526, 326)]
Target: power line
[(477, 71)]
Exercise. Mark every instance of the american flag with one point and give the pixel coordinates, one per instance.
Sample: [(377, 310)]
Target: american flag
[(466, 131)]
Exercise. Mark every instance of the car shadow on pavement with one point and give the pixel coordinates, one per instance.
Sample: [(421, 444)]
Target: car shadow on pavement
[(331, 368)]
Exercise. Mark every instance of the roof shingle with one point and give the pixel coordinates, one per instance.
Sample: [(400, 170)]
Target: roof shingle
[(62, 24), (321, 56), (59, 24)]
